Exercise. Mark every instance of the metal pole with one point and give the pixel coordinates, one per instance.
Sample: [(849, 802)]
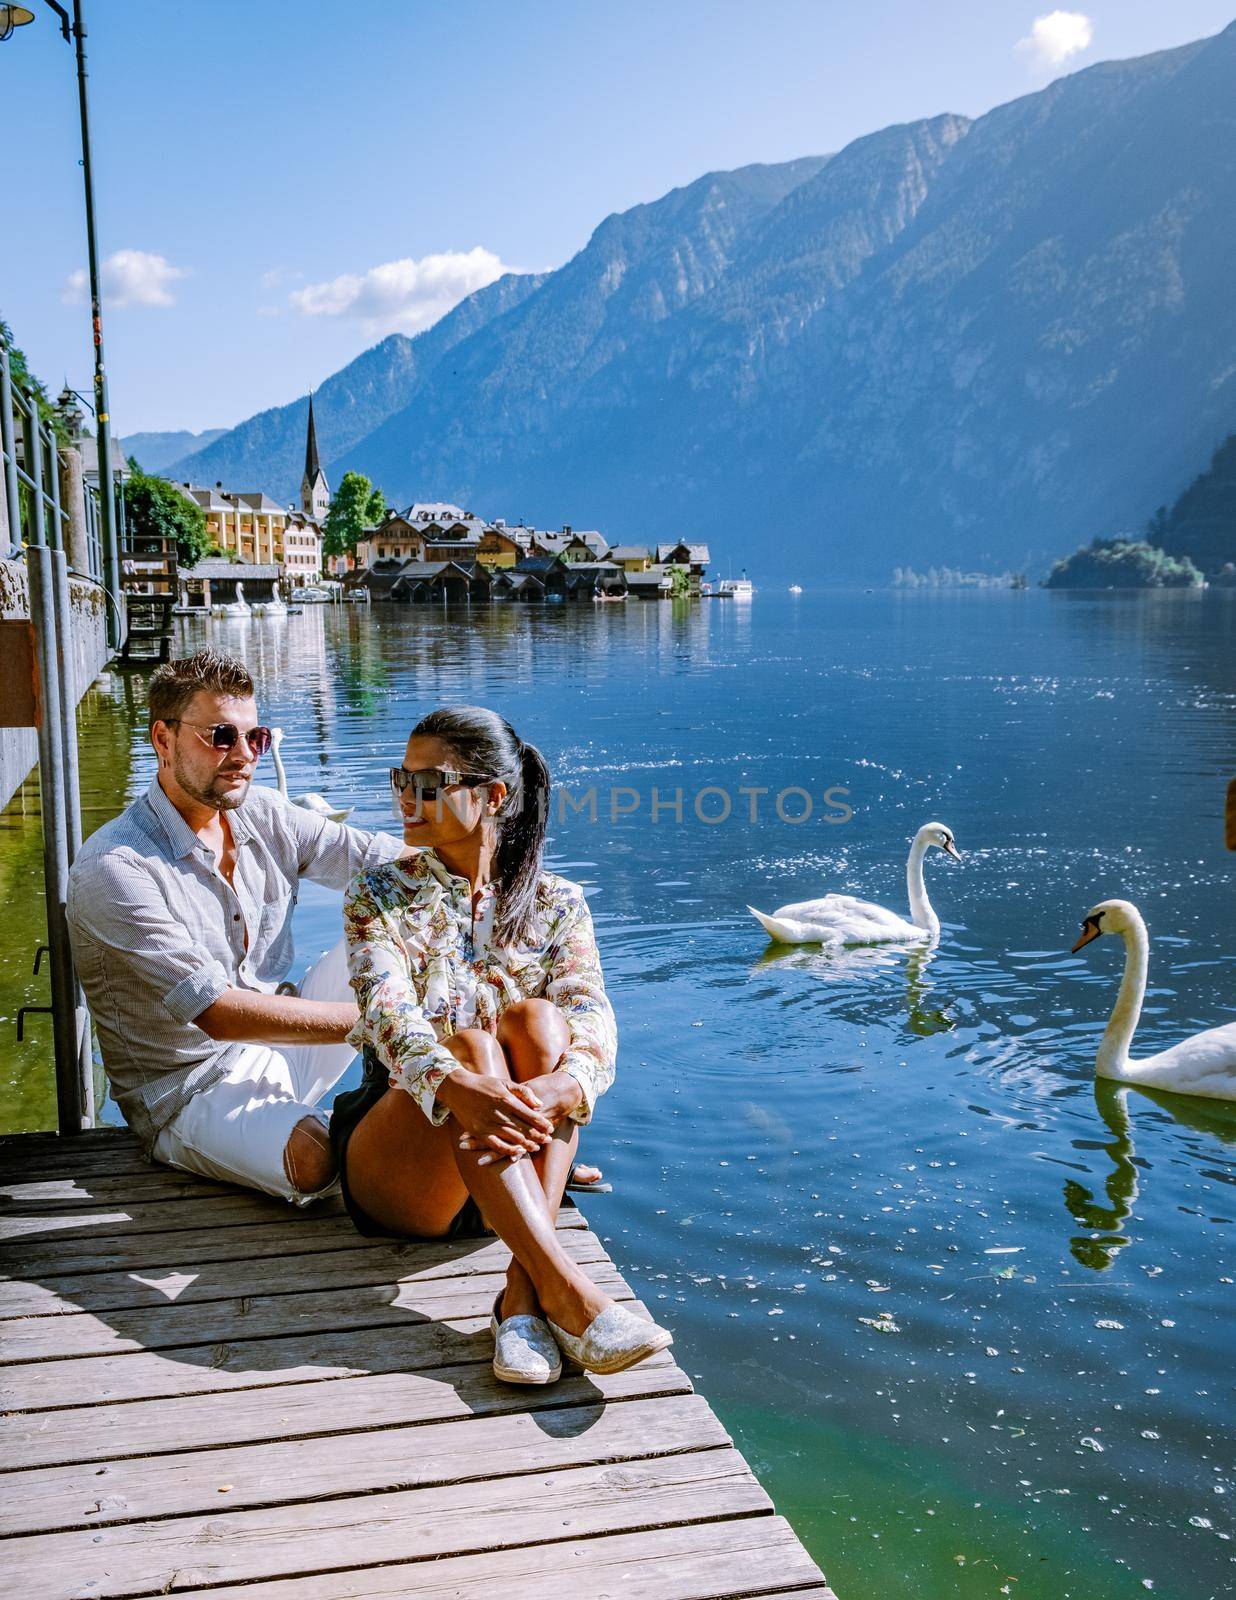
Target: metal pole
[(71, 1097), (107, 503), (67, 668), (9, 446), (32, 447)]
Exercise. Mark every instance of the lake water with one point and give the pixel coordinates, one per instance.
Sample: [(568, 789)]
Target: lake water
[(804, 1149)]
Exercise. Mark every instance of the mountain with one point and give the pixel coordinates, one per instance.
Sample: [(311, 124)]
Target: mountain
[(268, 451), (154, 451), (971, 343), (1202, 523)]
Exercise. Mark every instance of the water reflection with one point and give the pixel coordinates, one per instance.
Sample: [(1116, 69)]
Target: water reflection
[(1107, 1235), (1099, 1246), (925, 1013)]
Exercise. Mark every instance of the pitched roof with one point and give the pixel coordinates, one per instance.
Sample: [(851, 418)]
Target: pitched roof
[(88, 445), (434, 511), (240, 571), (630, 552), (590, 537), (258, 500), (553, 542), (697, 554)]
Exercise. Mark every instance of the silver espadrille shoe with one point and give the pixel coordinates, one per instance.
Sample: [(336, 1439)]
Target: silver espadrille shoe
[(613, 1341), (524, 1348)]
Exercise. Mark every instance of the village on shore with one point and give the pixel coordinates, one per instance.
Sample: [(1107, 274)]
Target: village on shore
[(427, 552)]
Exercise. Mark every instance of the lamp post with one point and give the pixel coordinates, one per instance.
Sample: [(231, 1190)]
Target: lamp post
[(73, 31)]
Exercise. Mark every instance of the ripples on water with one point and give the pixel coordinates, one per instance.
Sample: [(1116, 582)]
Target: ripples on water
[(968, 1315)]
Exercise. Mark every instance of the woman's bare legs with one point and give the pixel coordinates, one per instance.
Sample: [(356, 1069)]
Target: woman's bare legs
[(412, 1178), (533, 1035)]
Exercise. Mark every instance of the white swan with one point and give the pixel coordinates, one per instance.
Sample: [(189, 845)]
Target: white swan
[(239, 607), (840, 919), (307, 802), (1204, 1064)]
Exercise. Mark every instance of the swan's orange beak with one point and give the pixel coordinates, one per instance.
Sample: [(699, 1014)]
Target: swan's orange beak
[(950, 849), (1090, 930)]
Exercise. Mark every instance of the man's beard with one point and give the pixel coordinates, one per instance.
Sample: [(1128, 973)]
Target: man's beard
[(207, 795)]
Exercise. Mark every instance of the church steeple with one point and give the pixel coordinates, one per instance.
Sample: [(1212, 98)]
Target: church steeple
[(312, 465), (314, 489)]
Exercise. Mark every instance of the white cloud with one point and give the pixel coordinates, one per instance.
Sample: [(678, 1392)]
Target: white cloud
[(1057, 36), (129, 278), (401, 296)]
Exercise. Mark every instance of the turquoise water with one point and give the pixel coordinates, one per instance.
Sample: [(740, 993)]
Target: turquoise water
[(800, 1143)]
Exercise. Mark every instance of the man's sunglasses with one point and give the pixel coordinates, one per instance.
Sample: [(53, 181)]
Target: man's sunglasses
[(426, 781), (224, 735)]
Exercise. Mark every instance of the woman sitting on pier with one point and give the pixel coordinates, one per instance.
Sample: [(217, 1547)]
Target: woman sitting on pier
[(487, 1038)]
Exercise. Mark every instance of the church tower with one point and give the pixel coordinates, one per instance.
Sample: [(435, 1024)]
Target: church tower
[(314, 489)]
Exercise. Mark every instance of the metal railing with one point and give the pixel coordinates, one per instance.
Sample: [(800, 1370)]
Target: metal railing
[(41, 531)]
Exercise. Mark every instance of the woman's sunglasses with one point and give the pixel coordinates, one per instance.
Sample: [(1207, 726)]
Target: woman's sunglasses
[(426, 781), (224, 735)]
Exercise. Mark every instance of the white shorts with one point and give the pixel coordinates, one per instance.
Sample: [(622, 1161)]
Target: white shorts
[(237, 1130)]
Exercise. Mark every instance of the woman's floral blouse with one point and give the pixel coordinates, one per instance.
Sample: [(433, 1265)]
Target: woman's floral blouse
[(424, 964)]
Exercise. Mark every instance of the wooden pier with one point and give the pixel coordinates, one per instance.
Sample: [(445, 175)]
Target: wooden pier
[(205, 1391)]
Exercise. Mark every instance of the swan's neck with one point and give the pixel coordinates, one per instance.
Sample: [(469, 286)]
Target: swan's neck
[(921, 914), (281, 776), (1113, 1059)]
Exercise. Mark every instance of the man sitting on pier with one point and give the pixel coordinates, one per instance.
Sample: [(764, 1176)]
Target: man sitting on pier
[(180, 912)]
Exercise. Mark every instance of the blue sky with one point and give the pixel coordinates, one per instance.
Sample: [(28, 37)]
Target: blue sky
[(281, 182)]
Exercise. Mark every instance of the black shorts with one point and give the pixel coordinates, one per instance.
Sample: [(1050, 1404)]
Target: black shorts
[(349, 1109)]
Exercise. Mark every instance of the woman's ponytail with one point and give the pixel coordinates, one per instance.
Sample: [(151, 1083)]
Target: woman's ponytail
[(522, 822)]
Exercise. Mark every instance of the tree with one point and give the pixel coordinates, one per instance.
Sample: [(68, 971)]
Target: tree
[(355, 506), (1123, 563), (155, 508), (23, 378)]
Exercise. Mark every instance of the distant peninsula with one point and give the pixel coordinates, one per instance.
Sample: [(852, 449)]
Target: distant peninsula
[(1192, 544)]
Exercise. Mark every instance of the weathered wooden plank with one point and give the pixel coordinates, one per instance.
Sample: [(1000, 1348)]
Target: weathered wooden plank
[(29, 1148), (417, 1524), (816, 1592), (716, 1560), (398, 1261), (458, 1334), (206, 1210), (100, 1433), (292, 1233), (36, 1197), (258, 1316), (291, 1472)]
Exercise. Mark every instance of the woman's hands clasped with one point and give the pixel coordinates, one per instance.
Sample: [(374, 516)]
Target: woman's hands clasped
[(506, 1119)]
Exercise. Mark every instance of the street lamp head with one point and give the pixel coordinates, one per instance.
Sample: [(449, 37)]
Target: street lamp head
[(13, 17)]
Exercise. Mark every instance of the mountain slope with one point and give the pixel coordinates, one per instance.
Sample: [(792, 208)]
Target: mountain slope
[(1202, 523), (268, 450), (964, 343), (155, 450), (977, 343), (524, 376)]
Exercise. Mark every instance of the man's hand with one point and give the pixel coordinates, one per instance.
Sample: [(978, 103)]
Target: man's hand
[(501, 1118)]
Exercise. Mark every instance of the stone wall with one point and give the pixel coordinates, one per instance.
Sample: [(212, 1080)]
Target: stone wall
[(18, 746)]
